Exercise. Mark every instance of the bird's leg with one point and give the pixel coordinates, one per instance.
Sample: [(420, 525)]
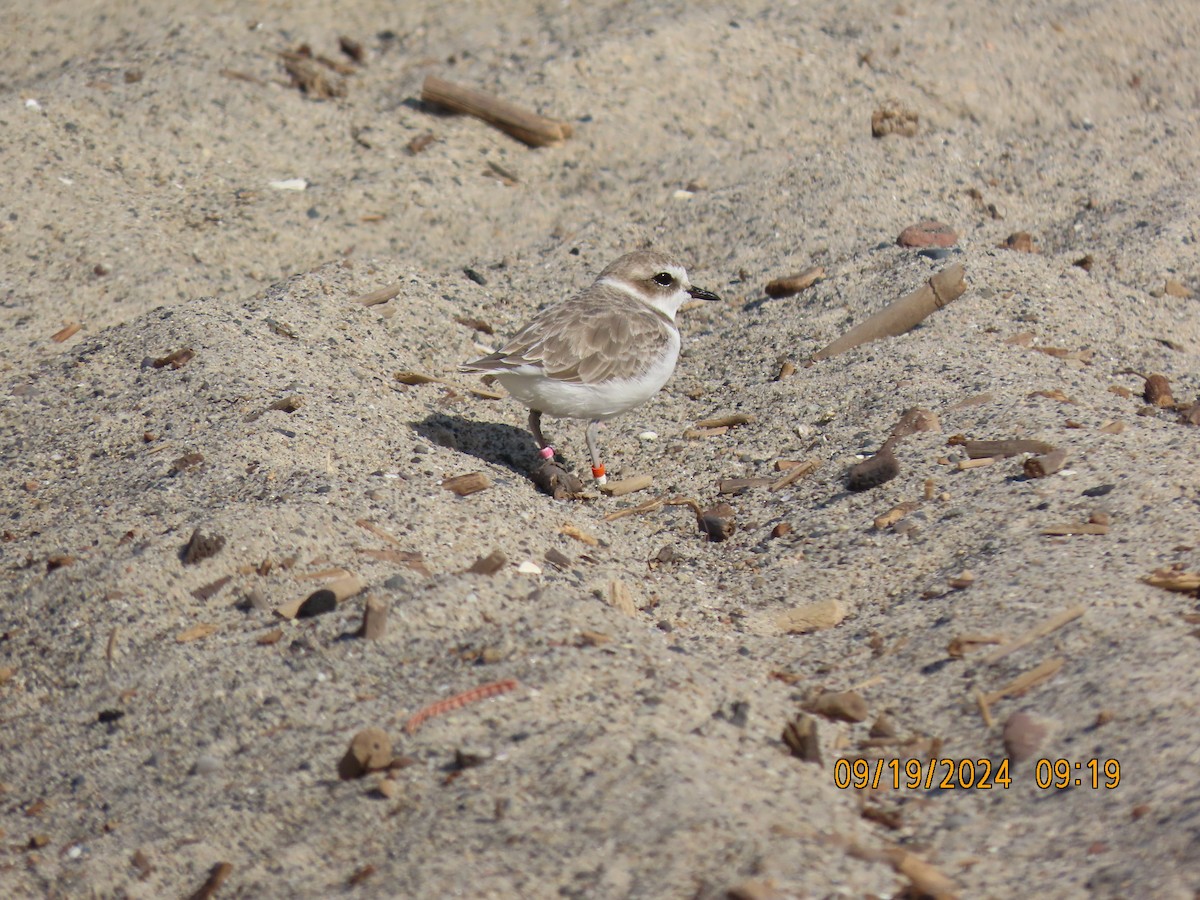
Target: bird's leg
[(545, 451), (593, 435)]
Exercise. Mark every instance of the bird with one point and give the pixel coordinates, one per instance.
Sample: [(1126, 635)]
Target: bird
[(599, 353)]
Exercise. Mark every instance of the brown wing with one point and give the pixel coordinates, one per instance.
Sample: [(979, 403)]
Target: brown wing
[(598, 336)]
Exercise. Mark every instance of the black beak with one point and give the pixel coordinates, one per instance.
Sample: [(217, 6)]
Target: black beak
[(698, 294)]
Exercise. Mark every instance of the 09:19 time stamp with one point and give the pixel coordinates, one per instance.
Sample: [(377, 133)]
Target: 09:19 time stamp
[(972, 774)]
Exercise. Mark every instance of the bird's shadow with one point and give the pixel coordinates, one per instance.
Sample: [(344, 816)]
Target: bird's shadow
[(492, 442)]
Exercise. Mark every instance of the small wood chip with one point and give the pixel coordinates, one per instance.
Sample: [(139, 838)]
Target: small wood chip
[(1002, 448), (1052, 394), (619, 597), (490, 564), (185, 462), (201, 547), (1027, 682), (794, 284), (627, 485), (216, 877), (814, 616), (207, 591), (1174, 579), (965, 643), (926, 879), (266, 639), (383, 295), (726, 421), (197, 632), (66, 332), (1046, 464), (580, 535), (786, 370), (464, 485), (802, 738), (1051, 625), (1020, 241), (370, 751), (794, 472), (693, 434), (412, 378), (368, 870), (375, 618), (965, 464), (176, 360), (739, 485), (841, 706), (288, 404), (1072, 528), (1111, 428), (895, 514), (420, 143), (1174, 288)]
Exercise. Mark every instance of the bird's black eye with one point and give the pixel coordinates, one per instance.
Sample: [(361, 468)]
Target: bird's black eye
[(666, 279)]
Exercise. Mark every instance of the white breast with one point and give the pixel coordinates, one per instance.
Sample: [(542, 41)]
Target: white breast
[(564, 399)]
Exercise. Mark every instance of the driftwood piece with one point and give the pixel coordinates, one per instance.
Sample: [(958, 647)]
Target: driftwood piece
[(523, 124), (904, 314)]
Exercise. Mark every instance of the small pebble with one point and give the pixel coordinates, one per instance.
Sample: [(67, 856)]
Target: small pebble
[(369, 751), (928, 233), (1023, 735), (529, 567), (206, 765), (842, 706)]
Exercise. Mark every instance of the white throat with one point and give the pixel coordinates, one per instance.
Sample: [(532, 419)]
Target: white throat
[(668, 305)]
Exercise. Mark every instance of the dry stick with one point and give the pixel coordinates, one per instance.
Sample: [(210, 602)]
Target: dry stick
[(627, 486), (383, 295), (1022, 683), (216, 878), (904, 314), (1063, 618), (794, 284), (458, 701), (526, 126), (795, 473), (1014, 447), (377, 531)]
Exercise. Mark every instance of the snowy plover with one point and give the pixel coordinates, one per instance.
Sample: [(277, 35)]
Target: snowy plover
[(599, 353)]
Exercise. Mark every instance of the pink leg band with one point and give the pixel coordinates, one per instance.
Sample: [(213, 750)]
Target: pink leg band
[(546, 453)]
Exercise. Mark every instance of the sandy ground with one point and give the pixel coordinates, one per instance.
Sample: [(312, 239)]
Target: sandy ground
[(159, 718)]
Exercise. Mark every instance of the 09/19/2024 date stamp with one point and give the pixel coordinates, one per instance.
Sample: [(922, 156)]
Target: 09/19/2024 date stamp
[(972, 774)]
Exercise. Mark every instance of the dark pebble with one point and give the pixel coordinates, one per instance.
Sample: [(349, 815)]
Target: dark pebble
[(475, 277), (318, 603), (935, 252), (201, 546), (871, 473), (1099, 490), (110, 715), (936, 666)]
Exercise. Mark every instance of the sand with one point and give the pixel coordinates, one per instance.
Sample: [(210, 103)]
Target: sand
[(168, 189)]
